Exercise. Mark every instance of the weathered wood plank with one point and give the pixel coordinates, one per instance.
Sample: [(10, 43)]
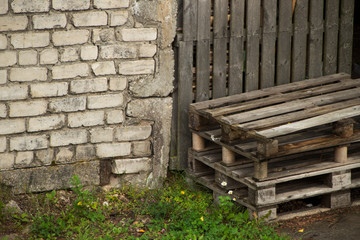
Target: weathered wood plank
[(189, 20), (284, 42), (316, 38), (267, 77), (331, 36)]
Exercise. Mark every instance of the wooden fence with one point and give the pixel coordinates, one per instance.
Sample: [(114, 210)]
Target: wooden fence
[(225, 47)]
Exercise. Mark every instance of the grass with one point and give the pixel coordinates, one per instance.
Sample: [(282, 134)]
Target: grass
[(176, 211)]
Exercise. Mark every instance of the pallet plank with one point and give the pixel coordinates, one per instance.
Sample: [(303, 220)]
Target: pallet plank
[(189, 20)]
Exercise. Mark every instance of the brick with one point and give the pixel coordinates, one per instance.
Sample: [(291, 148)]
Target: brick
[(105, 101), (26, 143), (103, 68), (70, 71), (14, 92), (13, 23), (24, 159), (132, 165), (86, 119), (69, 55), (138, 34), (107, 4), (28, 74), (98, 135), (25, 6), (71, 4), (106, 150), (4, 7), (103, 35), (89, 52), (147, 50), (141, 148), (118, 83), (69, 104), (67, 137), (64, 155), (90, 19), (53, 89), (45, 157), (51, 21), (30, 40), (8, 58), (2, 110), (51, 122), (88, 85), (118, 18), (3, 76), (137, 67), (28, 57), (3, 41), (71, 37), (7, 161), (85, 152), (118, 51), (28, 108), (49, 56), (133, 133), (115, 116), (2, 144)]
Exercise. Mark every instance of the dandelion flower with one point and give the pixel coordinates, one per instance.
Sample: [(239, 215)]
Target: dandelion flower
[(224, 184), (202, 218), (230, 192), (301, 230), (79, 203), (182, 192)]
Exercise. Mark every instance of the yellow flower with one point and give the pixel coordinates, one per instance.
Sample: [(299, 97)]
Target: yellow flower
[(182, 192), (301, 230), (202, 218), (79, 203)]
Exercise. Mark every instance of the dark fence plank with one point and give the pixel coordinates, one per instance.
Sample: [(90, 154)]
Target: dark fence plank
[(189, 20)]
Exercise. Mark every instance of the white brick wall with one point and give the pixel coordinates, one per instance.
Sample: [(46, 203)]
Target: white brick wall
[(54, 20), (115, 116), (71, 4), (3, 76), (106, 150), (138, 34), (28, 108), (90, 19), (89, 85), (99, 135), (28, 57), (137, 67), (3, 42), (103, 68), (25, 143), (69, 104), (105, 101), (2, 144), (71, 37), (14, 92), (69, 55), (118, 83), (132, 133), (7, 161), (106, 4), (118, 18), (67, 137), (118, 51), (46, 123), (21, 6), (28, 74), (49, 56), (133, 165), (89, 52), (13, 23), (55, 89), (12, 126), (86, 119), (8, 58), (30, 40), (4, 7), (70, 71), (3, 110), (24, 159)]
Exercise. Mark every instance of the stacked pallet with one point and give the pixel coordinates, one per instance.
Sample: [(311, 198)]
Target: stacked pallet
[(280, 144)]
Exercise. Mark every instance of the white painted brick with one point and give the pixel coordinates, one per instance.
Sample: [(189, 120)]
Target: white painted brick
[(89, 52), (118, 18), (88, 85), (137, 67), (132, 165), (105, 101), (86, 119), (49, 56), (2, 144), (3, 110), (67, 137), (53, 89), (70, 71), (132, 133), (7, 161), (138, 34), (25, 6), (118, 51), (8, 58), (98, 135), (24, 159), (3, 76), (51, 21), (28, 108), (115, 116), (13, 23), (3, 41), (69, 55), (28, 74), (64, 155), (103, 35), (85, 152), (103, 68), (14, 92), (90, 19), (69, 104), (107, 4), (71, 4), (4, 7), (26, 143), (71, 37), (30, 40), (45, 157), (105, 150), (147, 50), (28, 57), (118, 83), (142, 148), (46, 123)]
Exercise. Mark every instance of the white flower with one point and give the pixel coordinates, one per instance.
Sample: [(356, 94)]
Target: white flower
[(105, 204), (234, 199), (230, 192), (224, 184)]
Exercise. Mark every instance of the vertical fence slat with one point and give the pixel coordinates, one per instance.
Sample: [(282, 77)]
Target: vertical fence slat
[(267, 74), (316, 38), (331, 36), (284, 42), (252, 45), (346, 35), (220, 46), (203, 51), (300, 40), (236, 52), (189, 20)]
